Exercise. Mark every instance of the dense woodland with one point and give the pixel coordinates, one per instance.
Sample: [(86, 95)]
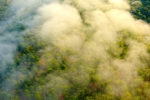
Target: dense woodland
[(141, 10), (31, 85)]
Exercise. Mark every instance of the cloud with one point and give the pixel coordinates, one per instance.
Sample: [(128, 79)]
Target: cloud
[(98, 36)]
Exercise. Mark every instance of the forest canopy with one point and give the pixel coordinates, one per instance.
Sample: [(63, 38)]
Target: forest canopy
[(74, 50)]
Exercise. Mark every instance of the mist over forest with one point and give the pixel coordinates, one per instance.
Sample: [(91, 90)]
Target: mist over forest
[(74, 49)]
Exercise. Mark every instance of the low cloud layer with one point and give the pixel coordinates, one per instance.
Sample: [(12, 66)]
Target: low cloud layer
[(99, 37)]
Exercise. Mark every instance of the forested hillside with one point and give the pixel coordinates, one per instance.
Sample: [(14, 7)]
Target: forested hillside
[(75, 50), (141, 10)]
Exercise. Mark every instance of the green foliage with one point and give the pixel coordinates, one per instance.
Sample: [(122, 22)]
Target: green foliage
[(141, 11), (121, 47), (3, 8), (38, 71), (28, 52)]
